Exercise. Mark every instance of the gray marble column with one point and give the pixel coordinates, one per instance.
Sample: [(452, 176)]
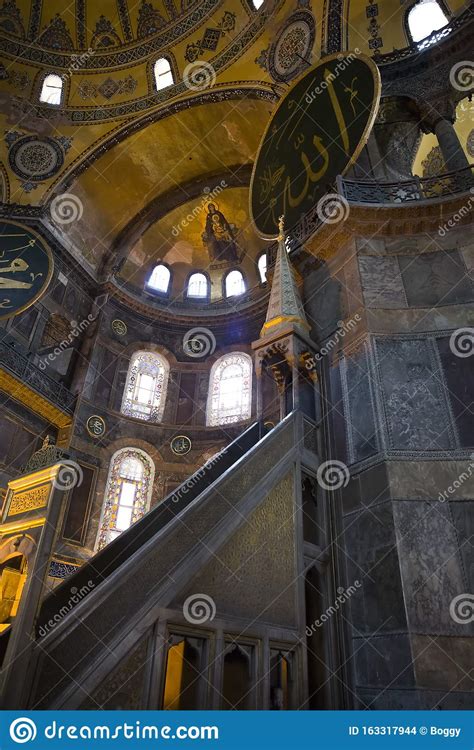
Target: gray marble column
[(451, 148)]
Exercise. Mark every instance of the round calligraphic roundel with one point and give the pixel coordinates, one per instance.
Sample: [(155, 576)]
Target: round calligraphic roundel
[(26, 266), (95, 426), (180, 445), (319, 129)]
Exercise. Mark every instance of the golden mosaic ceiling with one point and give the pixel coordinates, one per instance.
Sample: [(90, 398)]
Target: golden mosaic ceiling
[(134, 158)]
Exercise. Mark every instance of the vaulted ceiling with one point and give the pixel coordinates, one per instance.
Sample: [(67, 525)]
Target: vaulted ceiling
[(135, 158)]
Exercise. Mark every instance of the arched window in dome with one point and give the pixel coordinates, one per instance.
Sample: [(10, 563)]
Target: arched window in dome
[(52, 89), (234, 284), (198, 286), (425, 17), (127, 494), (163, 74), (257, 3), (262, 267), (145, 388), (160, 278), (230, 390)]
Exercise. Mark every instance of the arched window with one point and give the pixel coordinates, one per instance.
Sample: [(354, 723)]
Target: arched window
[(257, 3), (127, 494), (234, 284), (159, 278), (52, 89), (145, 389), (230, 390), (197, 285), (425, 17), (163, 74), (262, 267)]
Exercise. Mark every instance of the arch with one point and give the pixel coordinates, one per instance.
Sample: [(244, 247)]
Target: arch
[(145, 389), (197, 286), (160, 278), (262, 267), (52, 90), (423, 18), (234, 283), (163, 73), (230, 390), (257, 3), (127, 494)]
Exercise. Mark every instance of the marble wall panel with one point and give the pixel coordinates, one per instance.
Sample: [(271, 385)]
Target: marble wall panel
[(382, 282), (438, 278)]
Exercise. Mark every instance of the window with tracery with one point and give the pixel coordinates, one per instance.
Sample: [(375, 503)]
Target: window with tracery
[(230, 390), (127, 494), (163, 74), (145, 388), (52, 89), (160, 278), (424, 18)]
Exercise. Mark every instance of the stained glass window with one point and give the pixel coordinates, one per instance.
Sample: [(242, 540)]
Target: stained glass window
[(163, 74), (127, 494), (425, 17), (52, 89), (230, 389), (145, 390)]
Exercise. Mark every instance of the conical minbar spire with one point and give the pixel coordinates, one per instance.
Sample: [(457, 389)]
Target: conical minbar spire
[(285, 305)]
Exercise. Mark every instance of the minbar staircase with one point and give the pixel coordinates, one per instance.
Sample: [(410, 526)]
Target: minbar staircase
[(100, 612)]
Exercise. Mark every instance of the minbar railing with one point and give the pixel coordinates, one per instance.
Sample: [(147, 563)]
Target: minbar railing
[(406, 191), (30, 374)]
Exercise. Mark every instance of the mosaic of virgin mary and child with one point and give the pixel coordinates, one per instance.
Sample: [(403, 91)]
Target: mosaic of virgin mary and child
[(219, 237)]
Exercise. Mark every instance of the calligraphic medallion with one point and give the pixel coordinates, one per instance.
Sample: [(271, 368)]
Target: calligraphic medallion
[(95, 426), (119, 327), (319, 129), (26, 267), (180, 445)]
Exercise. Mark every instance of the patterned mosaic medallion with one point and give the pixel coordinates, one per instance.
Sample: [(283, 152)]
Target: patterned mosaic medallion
[(293, 47), (36, 159), (119, 327)]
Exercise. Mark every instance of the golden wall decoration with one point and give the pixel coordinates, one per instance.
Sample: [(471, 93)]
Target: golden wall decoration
[(29, 500)]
